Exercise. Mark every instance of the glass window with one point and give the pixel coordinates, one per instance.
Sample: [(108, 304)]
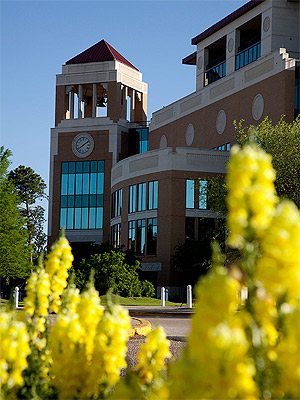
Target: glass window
[(131, 235), (227, 146), (202, 195), (119, 202), (151, 235), (153, 195), (132, 198), (140, 237), (116, 236), (190, 194), (141, 197), (82, 189), (64, 184)]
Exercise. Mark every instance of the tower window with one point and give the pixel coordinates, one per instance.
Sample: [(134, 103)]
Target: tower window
[(82, 191)]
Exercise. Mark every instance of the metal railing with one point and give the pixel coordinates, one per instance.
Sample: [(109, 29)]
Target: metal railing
[(215, 73), (248, 55)]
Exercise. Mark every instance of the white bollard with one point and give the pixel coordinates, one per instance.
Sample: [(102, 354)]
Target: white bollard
[(16, 295), (189, 296), (163, 296)]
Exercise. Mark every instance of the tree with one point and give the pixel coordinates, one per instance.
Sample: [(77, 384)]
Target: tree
[(282, 141), (14, 254), (112, 273), (30, 188)]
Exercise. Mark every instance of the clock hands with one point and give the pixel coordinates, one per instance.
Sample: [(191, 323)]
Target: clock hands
[(83, 144)]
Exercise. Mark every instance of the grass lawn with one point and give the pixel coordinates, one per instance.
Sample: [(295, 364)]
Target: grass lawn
[(137, 301), (125, 301)]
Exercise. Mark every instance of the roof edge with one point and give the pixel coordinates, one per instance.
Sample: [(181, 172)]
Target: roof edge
[(190, 59), (227, 20)]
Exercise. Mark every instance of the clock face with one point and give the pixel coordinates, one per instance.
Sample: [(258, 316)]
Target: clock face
[(83, 145)]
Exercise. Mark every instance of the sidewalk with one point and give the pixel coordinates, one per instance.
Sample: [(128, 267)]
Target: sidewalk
[(159, 311)]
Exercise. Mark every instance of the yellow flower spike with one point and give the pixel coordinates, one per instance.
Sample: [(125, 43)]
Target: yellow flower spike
[(251, 195), (14, 349)]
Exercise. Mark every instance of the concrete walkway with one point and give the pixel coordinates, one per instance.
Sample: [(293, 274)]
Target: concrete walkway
[(160, 311)]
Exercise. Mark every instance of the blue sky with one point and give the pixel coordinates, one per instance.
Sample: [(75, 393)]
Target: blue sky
[(37, 37)]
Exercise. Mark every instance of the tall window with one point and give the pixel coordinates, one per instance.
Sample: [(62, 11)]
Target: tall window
[(140, 237), (131, 235), (142, 197), (116, 203), (151, 235), (82, 190), (116, 236), (202, 195), (190, 194), (153, 195), (132, 198)]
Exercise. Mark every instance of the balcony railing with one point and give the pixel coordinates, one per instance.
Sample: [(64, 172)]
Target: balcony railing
[(248, 55), (215, 73)]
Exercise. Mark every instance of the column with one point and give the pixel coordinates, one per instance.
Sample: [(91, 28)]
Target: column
[(79, 101), (94, 100), (132, 106), (72, 105)]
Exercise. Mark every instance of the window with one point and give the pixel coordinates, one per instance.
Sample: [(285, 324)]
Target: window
[(202, 195), (131, 235), (153, 195), (116, 205), (116, 236), (132, 198), (138, 140), (140, 237), (151, 235), (142, 197), (227, 146), (190, 194), (82, 191)]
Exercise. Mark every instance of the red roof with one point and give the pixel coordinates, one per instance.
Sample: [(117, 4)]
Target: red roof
[(225, 21), (100, 51)]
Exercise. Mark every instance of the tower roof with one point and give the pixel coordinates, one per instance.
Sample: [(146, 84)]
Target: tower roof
[(100, 51)]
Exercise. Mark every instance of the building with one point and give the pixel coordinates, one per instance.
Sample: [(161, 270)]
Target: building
[(116, 178)]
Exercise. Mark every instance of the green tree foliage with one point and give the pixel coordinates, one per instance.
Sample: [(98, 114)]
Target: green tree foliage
[(112, 273), (30, 188), (14, 254), (282, 141)]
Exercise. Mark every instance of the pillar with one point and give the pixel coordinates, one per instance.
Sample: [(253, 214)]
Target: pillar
[(94, 100), (79, 101)]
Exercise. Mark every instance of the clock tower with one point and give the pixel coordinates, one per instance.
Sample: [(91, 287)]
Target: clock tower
[(100, 96)]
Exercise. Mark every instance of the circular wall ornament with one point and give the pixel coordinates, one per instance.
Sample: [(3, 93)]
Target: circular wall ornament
[(230, 45), (200, 62), (266, 24), (163, 142), (257, 107), (189, 134), (83, 145), (221, 122)]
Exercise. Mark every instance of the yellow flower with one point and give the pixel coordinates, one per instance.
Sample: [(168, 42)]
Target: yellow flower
[(251, 194), (14, 349)]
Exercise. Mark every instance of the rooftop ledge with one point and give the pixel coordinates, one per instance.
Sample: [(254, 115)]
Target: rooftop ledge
[(235, 81), (183, 159)]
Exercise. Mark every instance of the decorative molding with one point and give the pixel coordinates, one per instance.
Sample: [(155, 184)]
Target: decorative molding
[(189, 135), (221, 122), (257, 107)]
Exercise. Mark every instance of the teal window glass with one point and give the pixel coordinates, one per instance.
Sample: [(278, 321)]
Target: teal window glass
[(142, 197), (131, 235), (140, 237), (116, 236), (153, 195), (151, 235), (132, 198), (190, 194), (64, 184), (202, 195), (82, 192), (63, 218)]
